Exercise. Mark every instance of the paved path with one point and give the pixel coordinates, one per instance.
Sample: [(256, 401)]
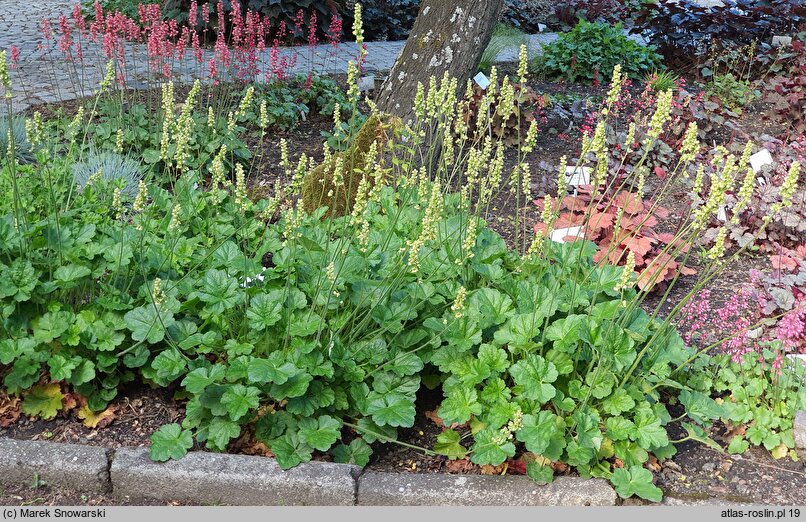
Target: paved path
[(43, 75)]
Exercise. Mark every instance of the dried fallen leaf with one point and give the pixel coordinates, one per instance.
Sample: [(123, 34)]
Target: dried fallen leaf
[(653, 464), (70, 401), (458, 466), (9, 410), (779, 451), (516, 467), (487, 469), (433, 417), (96, 420)]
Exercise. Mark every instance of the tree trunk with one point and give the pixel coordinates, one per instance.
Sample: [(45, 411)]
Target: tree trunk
[(447, 36)]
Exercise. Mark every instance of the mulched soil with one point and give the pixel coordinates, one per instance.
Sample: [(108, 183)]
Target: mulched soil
[(696, 473)]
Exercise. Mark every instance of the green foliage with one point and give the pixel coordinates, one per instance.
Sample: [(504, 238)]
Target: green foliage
[(592, 47), (555, 357), (758, 398), (170, 442), (504, 38), (289, 102), (660, 81), (732, 92), (143, 133)]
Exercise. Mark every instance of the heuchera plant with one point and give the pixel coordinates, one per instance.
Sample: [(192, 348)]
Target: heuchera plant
[(620, 225)]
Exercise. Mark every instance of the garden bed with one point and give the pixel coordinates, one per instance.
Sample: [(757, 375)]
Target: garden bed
[(695, 473), (408, 305)]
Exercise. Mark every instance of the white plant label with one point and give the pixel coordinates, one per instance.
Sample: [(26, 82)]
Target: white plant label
[(482, 81), (559, 235), (759, 159)]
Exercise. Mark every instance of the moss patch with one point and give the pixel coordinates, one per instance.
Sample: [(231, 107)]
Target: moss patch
[(318, 187)]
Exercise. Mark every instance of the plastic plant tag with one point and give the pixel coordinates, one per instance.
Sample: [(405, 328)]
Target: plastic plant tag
[(541, 27), (721, 214), (482, 81), (577, 176), (559, 235), (759, 159), (781, 41), (366, 83)]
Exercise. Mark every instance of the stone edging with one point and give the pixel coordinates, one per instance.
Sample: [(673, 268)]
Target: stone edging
[(214, 478)]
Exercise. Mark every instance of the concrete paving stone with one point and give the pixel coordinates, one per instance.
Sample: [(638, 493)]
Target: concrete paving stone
[(390, 489), (800, 430), (83, 468), (214, 478)]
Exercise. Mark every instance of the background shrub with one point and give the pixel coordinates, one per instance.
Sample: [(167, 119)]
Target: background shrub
[(593, 47)]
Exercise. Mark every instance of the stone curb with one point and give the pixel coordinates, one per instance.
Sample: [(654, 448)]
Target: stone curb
[(73, 466), (394, 489), (212, 478), (799, 430), (217, 478)]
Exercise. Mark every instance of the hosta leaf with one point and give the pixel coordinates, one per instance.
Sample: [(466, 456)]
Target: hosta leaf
[(44, 400), (636, 481), (170, 442), (358, 453)]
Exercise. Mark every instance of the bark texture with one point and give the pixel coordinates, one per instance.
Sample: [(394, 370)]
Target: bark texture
[(447, 36)]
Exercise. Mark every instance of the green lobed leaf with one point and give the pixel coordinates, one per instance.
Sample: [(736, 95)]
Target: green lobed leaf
[(357, 452), (170, 442), (636, 481)]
